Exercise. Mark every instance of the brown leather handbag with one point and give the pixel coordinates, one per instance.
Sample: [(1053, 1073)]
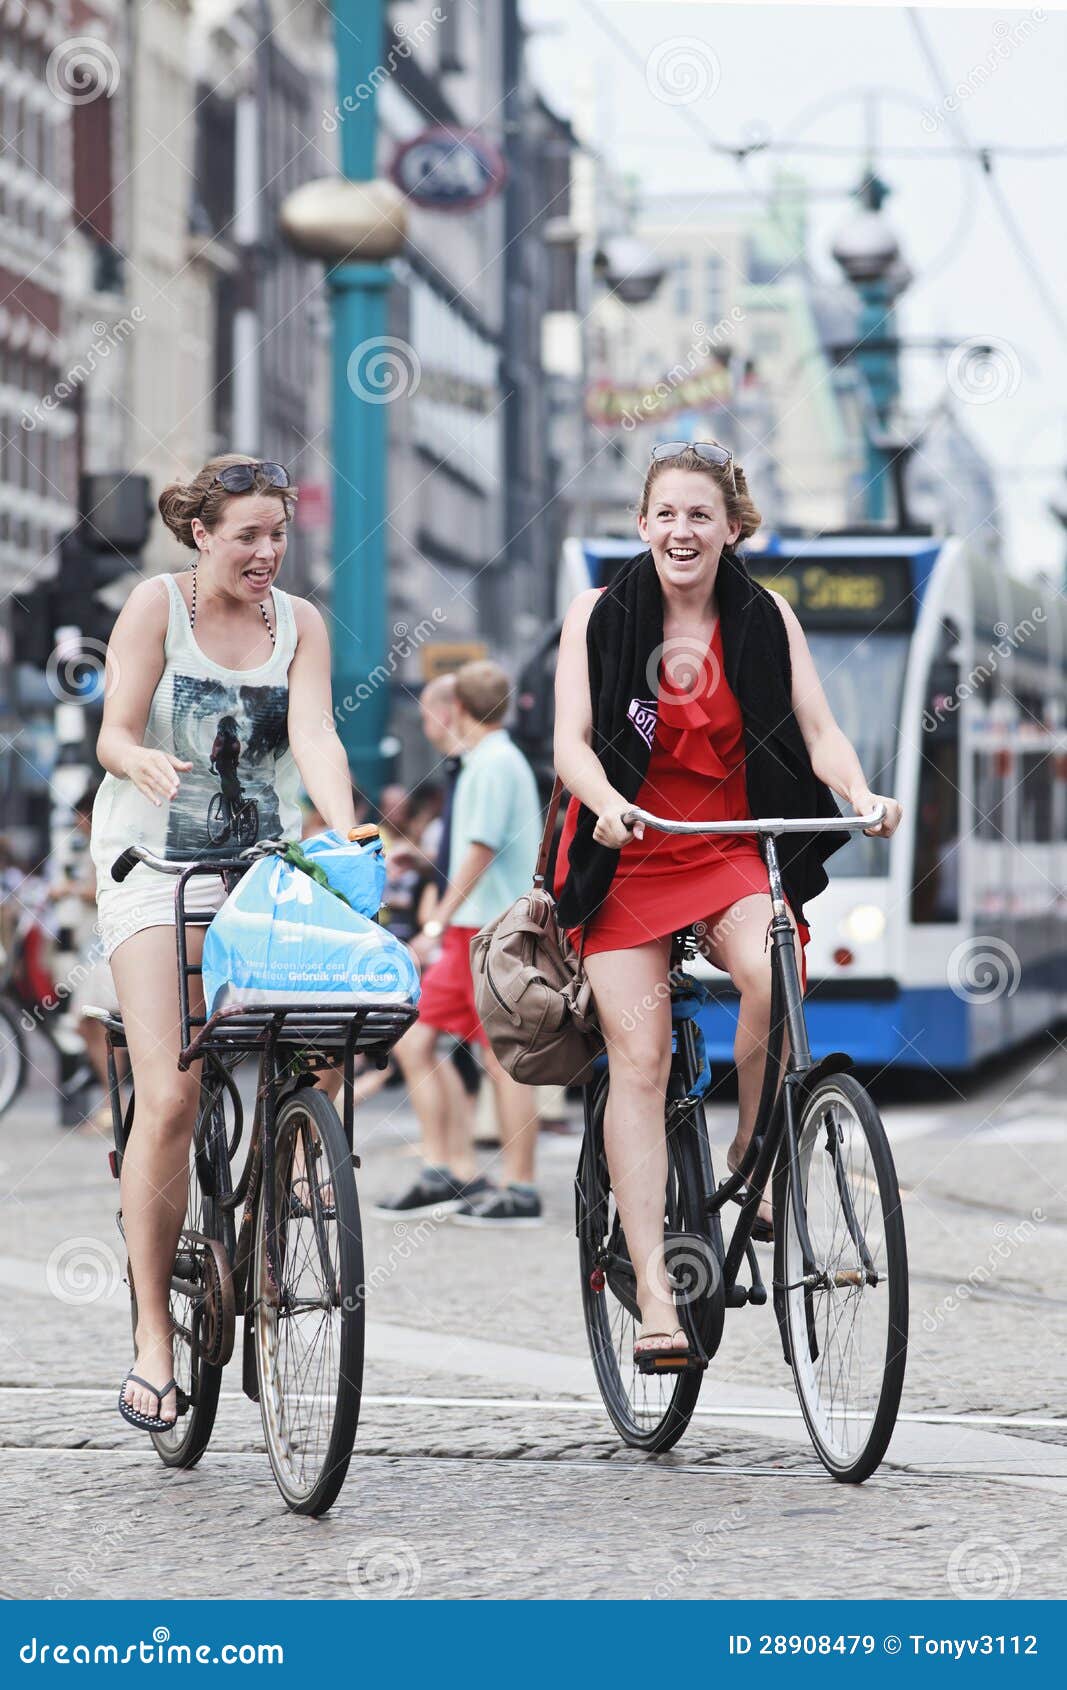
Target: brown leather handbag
[(531, 992)]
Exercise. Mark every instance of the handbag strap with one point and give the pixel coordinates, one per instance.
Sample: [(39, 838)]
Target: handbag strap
[(546, 846), (546, 837)]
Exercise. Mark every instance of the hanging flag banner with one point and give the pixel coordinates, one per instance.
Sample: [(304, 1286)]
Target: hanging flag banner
[(619, 405)]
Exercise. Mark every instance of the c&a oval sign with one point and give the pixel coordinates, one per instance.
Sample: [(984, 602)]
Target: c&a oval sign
[(447, 169)]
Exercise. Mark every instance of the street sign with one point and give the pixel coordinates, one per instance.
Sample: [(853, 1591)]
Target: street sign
[(443, 657), (444, 169)]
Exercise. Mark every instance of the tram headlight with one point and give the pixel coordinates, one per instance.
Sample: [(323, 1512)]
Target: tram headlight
[(864, 923)]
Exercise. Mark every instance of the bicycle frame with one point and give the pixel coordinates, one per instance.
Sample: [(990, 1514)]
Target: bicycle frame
[(777, 1114)]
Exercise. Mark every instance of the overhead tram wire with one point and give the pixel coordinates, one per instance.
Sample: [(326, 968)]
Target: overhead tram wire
[(1025, 252)]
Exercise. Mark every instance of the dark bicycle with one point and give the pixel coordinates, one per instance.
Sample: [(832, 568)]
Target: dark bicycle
[(226, 817), (272, 1246), (840, 1278)]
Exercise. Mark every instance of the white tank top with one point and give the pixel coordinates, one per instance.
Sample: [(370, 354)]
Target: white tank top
[(232, 725)]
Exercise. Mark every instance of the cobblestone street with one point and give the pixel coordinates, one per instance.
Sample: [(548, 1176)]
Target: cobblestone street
[(485, 1465)]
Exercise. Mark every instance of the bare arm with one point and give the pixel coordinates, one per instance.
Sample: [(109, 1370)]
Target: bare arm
[(833, 756), (577, 764), (476, 860), (135, 660), (313, 736)]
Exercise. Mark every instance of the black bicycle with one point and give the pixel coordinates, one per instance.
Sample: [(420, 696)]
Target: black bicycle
[(238, 817), (840, 1278), (272, 1245)]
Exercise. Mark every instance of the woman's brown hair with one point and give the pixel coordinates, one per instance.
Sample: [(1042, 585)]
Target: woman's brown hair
[(206, 498), (739, 506)]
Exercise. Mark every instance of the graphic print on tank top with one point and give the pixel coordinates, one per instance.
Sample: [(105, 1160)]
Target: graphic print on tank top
[(233, 736)]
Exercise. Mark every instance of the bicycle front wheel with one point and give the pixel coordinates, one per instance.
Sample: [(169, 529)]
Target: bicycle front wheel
[(309, 1325), (846, 1309), (650, 1411)]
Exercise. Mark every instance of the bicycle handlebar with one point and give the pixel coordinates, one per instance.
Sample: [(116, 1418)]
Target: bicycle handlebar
[(134, 854), (765, 824)]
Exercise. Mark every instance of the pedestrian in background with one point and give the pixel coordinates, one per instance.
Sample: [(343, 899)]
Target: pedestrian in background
[(495, 829)]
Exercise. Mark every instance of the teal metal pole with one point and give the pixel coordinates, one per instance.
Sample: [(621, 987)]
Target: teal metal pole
[(358, 300), (882, 376)]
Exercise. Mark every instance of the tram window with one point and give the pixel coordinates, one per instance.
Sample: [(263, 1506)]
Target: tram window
[(1035, 799), (935, 891)]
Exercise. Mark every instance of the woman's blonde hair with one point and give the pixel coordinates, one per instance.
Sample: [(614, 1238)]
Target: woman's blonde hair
[(206, 498), (739, 505)]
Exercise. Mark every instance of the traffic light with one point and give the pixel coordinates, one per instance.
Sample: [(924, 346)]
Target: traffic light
[(104, 546)]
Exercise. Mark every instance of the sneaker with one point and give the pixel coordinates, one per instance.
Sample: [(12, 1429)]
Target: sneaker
[(508, 1205), (436, 1191)]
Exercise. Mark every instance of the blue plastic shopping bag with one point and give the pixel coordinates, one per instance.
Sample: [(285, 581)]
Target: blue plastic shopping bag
[(282, 938), (357, 871)]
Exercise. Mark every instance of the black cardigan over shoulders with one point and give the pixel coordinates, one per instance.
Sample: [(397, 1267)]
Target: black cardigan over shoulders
[(624, 641)]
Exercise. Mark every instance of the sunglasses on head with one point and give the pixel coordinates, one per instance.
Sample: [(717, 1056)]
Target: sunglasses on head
[(238, 478), (709, 450)]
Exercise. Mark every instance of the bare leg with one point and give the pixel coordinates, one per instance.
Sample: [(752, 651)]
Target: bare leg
[(433, 1086), (737, 944), (155, 1167), (520, 1122), (633, 1006)]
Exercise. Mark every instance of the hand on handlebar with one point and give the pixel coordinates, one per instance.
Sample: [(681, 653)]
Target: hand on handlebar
[(864, 802), (153, 772), (611, 828)]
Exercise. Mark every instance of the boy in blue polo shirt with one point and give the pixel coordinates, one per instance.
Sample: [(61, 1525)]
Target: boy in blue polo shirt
[(495, 832)]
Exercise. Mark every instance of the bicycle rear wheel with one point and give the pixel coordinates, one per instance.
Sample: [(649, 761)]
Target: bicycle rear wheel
[(847, 1320), (650, 1411), (309, 1328), (201, 1295), (12, 1056)]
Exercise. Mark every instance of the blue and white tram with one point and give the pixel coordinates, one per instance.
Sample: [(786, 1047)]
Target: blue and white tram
[(949, 943)]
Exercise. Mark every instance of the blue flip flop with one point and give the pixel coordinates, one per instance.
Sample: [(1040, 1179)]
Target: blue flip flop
[(146, 1422)]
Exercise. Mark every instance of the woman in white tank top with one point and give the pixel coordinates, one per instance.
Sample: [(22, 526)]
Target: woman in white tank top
[(217, 707)]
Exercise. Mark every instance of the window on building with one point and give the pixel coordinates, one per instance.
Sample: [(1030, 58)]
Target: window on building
[(683, 286), (449, 52), (714, 289)]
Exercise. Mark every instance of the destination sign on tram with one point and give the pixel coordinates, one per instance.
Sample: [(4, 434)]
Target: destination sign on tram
[(869, 592)]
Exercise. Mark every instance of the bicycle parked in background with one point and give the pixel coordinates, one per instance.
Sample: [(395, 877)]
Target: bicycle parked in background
[(840, 1277)]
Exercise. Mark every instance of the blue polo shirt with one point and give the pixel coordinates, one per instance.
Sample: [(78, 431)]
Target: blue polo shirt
[(495, 804)]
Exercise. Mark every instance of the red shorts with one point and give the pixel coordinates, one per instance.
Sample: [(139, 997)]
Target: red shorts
[(447, 1000)]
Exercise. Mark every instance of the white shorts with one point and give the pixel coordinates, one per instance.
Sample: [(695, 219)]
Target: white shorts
[(146, 899)]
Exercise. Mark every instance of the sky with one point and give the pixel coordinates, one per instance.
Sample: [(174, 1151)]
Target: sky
[(652, 78)]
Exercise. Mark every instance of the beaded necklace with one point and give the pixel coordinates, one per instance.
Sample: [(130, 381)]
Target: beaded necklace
[(262, 611)]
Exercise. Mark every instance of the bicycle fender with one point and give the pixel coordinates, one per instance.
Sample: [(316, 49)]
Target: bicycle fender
[(836, 1063)]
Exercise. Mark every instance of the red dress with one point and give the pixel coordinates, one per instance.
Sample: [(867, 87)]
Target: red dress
[(696, 773)]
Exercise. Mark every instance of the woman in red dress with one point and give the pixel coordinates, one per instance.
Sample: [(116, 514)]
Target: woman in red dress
[(692, 506)]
